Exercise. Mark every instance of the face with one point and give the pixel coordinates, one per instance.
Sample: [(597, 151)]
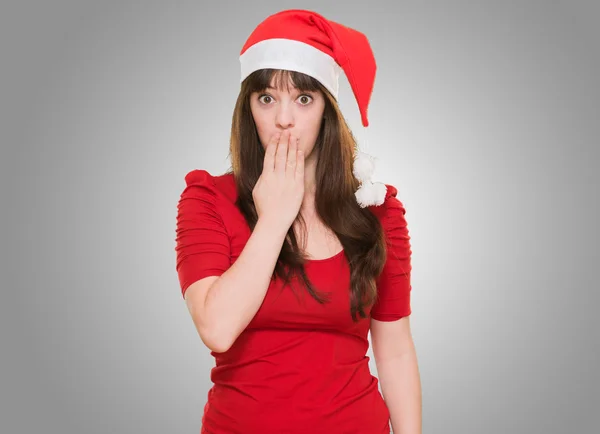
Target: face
[(299, 112)]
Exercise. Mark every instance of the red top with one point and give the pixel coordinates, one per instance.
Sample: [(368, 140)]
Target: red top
[(298, 367)]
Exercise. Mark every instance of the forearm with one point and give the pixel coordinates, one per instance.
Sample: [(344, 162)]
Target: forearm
[(401, 388), (233, 300)]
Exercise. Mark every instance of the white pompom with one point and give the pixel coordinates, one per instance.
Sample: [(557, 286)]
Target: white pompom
[(371, 193), (364, 166)]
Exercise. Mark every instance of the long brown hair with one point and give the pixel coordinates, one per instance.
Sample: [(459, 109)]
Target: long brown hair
[(358, 229)]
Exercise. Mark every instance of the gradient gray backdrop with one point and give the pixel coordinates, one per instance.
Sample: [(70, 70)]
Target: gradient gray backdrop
[(485, 115)]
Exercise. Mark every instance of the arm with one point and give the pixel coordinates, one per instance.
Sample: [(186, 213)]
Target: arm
[(219, 308), (223, 306), (398, 373)]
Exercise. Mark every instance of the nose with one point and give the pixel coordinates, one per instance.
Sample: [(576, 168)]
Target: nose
[(284, 117)]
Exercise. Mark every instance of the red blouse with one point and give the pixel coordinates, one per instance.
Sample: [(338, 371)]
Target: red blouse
[(298, 367)]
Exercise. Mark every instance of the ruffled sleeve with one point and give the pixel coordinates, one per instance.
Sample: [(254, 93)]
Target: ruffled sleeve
[(202, 242), (394, 284)]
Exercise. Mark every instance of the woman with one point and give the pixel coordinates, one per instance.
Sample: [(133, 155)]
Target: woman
[(287, 261)]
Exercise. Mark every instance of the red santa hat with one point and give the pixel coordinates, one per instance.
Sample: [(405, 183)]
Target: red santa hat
[(306, 42)]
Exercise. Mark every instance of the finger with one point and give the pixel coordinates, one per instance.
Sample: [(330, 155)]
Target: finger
[(281, 154), (299, 165), (291, 157), (269, 162)]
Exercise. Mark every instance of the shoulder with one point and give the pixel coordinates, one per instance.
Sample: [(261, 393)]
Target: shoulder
[(391, 208), (221, 187), (392, 215)]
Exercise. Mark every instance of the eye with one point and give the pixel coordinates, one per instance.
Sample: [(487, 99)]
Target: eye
[(263, 95), (306, 96)]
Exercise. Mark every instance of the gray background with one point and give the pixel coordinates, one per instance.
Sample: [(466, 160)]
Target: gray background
[(485, 115)]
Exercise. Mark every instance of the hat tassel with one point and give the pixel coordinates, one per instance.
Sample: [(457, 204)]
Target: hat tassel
[(369, 193)]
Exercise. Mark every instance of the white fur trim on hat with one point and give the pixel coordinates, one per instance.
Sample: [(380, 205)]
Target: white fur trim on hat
[(292, 55)]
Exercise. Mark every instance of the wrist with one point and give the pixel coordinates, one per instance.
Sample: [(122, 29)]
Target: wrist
[(272, 226)]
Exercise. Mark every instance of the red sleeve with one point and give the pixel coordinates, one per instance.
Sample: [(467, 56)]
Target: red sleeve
[(394, 284), (202, 242)]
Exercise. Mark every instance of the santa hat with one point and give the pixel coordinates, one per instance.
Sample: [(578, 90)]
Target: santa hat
[(306, 42)]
